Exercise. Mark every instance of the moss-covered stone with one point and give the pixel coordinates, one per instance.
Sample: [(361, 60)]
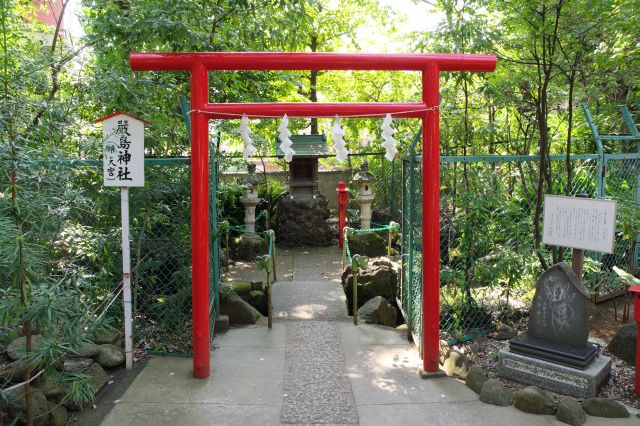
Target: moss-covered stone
[(370, 244), (570, 412), (495, 393), (380, 278), (534, 400), (604, 407), (476, 378), (248, 247)]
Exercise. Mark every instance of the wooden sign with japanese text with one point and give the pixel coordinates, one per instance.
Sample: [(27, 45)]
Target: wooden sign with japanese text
[(123, 150), (581, 223)]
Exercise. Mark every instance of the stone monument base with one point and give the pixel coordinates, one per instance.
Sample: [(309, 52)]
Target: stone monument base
[(572, 356), (554, 377)]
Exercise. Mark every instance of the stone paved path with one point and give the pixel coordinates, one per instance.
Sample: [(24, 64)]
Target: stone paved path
[(317, 389)]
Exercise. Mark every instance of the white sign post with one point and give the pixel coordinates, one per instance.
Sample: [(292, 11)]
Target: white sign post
[(123, 166), (579, 223)]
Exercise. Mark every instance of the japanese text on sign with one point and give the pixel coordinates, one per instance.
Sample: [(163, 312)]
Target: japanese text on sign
[(123, 151), (580, 223)]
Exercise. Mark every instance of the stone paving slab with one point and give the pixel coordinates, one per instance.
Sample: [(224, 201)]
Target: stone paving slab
[(156, 414), (252, 336), (248, 271), (306, 300)]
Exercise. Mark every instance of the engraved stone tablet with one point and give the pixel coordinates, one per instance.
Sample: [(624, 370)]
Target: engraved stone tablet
[(558, 323), (559, 311)]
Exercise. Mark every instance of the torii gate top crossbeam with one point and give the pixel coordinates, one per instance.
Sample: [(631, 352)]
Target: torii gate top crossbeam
[(311, 61)]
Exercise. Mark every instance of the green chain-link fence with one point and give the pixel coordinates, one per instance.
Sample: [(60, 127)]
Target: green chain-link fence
[(160, 247), (488, 262)]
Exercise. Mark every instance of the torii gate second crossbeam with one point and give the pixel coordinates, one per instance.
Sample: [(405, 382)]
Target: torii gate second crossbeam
[(199, 65)]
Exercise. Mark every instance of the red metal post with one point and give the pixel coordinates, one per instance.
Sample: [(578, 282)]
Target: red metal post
[(343, 199), (636, 316), (200, 221), (431, 218)]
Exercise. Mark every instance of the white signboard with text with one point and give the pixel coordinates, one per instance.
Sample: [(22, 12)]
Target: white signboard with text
[(123, 163), (581, 223)]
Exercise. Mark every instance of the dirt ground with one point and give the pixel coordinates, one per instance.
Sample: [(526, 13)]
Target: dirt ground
[(606, 318)]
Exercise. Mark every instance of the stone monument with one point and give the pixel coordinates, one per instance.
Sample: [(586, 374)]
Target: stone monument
[(554, 353)]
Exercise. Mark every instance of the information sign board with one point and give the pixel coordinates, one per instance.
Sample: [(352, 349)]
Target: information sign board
[(581, 223)]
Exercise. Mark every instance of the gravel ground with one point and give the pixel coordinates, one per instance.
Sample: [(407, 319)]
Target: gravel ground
[(483, 352)]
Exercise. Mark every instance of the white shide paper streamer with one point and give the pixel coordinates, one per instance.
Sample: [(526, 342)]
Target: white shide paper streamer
[(285, 142), (339, 145), (387, 134), (245, 133)]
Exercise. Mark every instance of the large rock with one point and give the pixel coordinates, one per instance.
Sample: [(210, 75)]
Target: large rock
[(476, 378), (604, 407), (110, 356), (248, 247), (14, 371), (17, 349), (623, 344), (251, 292), (77, 365), (239, 311), (59, 414), (533, 400), (570, 412), (97, 376), (378, 311), (88, 349), (370, 244), (505, 332), (111, 337), (380, 278), (456, 365), (39, 406), (494, 392), (50, 386), (303, 222)]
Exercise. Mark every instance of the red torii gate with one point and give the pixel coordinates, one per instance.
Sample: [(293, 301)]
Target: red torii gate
[(199, 64)]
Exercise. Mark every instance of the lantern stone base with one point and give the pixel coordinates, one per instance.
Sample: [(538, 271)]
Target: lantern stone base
[(554, 377)]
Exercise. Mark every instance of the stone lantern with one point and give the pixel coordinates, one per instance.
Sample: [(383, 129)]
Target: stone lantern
[(365, 180), (250, 199)]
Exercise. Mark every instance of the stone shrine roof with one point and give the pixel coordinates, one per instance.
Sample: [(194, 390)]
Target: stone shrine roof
[(306, 146)]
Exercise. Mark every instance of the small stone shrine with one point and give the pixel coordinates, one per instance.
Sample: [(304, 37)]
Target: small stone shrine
[(303, 168), (301, 219), (554, 353)]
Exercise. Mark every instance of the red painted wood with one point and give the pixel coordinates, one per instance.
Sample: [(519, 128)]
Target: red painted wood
[(200, 223), (431, 220), (315, 109), (309, 61)]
